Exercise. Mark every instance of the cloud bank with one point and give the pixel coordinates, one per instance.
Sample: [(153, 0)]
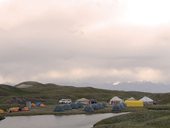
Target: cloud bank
[(92, 42)]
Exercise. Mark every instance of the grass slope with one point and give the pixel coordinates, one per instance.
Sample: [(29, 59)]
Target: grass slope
[(141, 119)]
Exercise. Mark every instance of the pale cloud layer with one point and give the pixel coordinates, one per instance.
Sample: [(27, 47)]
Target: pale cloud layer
[(84, 41)]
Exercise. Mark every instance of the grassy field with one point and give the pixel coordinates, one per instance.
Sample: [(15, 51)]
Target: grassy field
[(154, 117)]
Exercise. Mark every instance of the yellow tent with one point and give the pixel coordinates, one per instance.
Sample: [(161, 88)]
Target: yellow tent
[(2, 111), (134, 103)]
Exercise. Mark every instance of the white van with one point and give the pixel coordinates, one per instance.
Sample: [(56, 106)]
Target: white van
[(65, 101)]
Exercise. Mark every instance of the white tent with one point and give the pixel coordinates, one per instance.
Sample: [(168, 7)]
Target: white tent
[(115, 100), (146, 100), (83, 101), (131, 98)]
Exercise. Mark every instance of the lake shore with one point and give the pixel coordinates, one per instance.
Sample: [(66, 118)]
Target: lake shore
[(49, 111)]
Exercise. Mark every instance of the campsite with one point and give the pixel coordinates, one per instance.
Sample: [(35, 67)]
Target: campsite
[(44, 99)]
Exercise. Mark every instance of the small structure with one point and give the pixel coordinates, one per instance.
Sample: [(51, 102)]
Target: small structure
[(28, 104), (134, 103), (115, 100), (147, 100), (83, 101)]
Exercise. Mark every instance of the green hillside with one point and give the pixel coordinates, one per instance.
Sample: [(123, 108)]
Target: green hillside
[(6, 90), (51, 93)]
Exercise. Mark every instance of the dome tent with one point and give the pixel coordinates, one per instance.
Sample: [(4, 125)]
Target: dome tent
[(147, 100), (80, 105), (74, 105), (38, 104), (101, 105), (115, 100), (83, 101), (67, 107), (95, 106), (98, 106), (116, 108), (122, 105), (59, 108), (88, 108)]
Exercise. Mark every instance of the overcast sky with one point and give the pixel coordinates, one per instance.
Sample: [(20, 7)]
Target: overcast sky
[(86, 42)]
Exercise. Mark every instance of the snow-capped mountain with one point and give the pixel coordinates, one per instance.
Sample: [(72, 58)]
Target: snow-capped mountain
[(144, 86)]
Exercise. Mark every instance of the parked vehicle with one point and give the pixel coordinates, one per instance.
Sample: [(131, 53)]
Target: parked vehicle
[(65, 101)]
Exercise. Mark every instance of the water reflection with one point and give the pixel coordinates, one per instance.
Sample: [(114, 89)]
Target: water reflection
[(51, 121)]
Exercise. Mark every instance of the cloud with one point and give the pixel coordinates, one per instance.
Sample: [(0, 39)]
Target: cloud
[(84, 41)]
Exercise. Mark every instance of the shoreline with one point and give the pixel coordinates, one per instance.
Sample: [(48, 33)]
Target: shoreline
[(51, 113)]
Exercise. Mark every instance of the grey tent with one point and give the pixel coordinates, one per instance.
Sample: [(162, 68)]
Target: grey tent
[(147, 100)]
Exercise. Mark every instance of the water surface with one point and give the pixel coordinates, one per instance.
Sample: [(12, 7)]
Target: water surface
[(51, 121)]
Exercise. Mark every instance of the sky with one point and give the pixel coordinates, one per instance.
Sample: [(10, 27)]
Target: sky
[(84, 42)]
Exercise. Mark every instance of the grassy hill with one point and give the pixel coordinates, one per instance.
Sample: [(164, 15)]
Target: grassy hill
[(51, 93), (6, 90)]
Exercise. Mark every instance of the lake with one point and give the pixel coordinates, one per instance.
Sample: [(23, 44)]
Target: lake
[(52, 121)]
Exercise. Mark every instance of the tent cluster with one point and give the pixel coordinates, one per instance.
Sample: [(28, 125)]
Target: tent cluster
[(63, 107), (38, 104), (27, 107), (93, 107), (86, 104), (131, 102), (18, 109)]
